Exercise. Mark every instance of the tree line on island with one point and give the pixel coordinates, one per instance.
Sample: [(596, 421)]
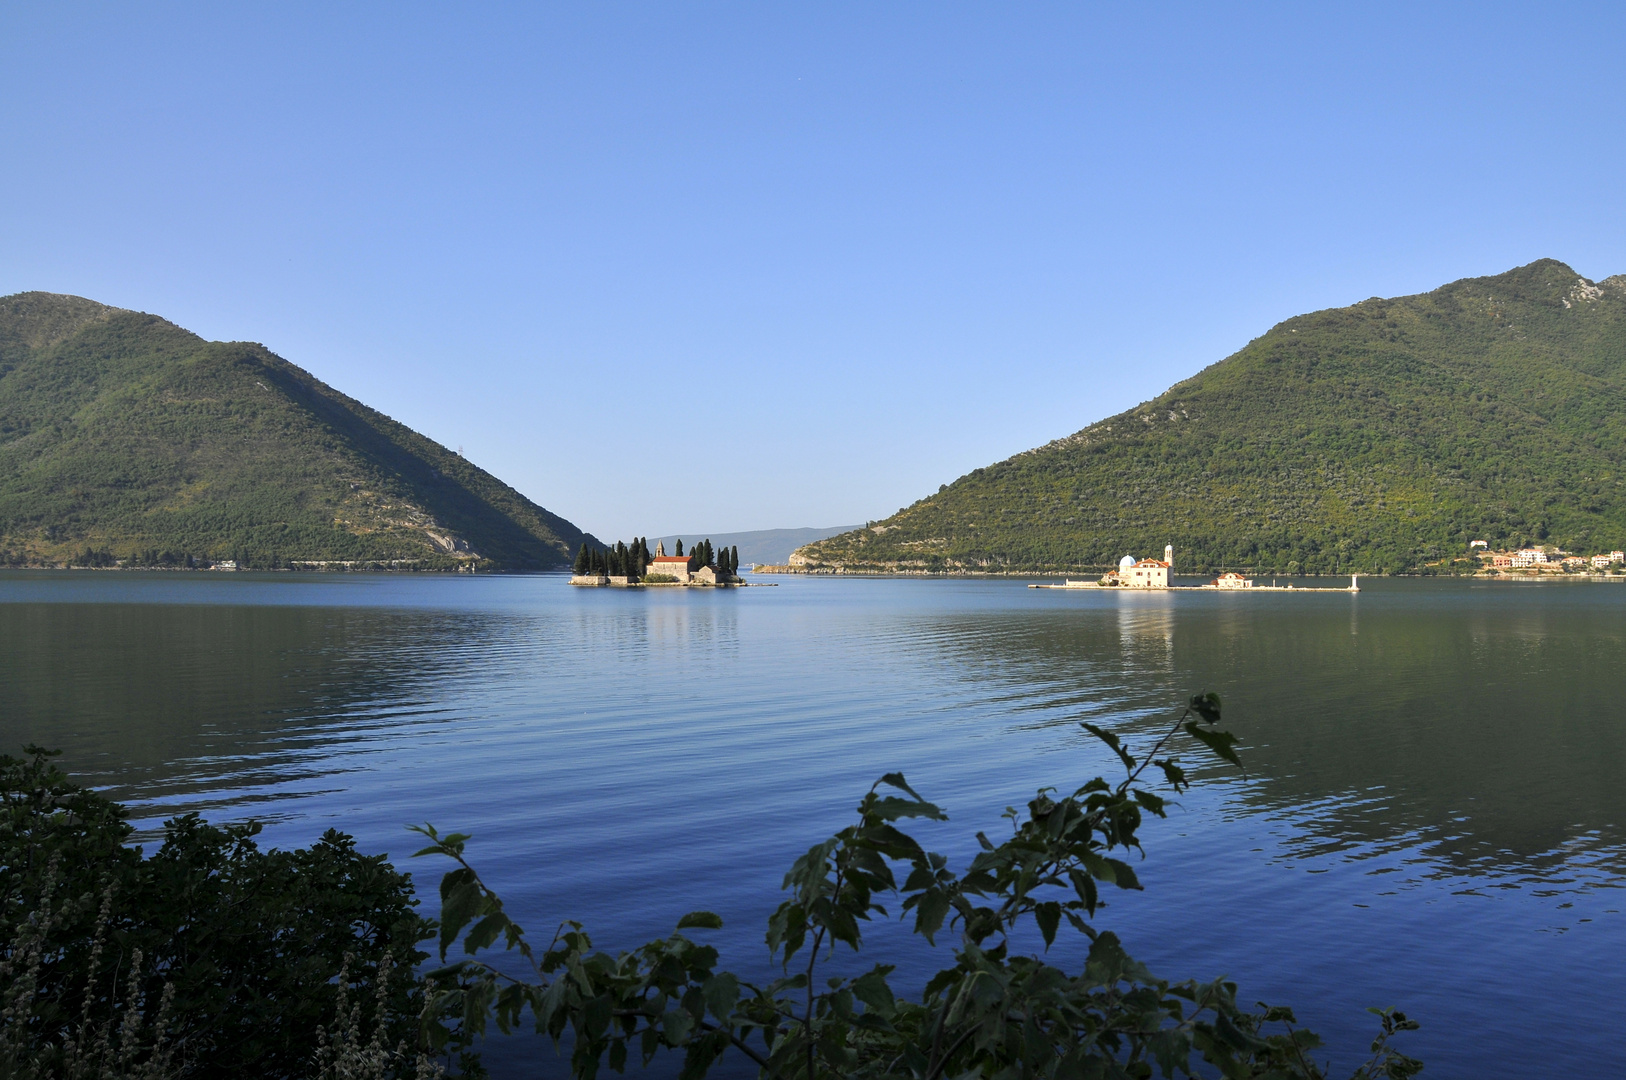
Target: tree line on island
[(633, 561)]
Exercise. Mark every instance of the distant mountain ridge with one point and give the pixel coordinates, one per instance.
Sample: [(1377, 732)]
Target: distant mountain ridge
[(126, 438), (759, 546), (1383, 436)]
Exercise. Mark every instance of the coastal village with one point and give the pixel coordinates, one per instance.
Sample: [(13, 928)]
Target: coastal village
[(1529, 561), (635, 566)]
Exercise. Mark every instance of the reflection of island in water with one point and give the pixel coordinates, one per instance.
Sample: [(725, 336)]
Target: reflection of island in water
[(1437, 719)]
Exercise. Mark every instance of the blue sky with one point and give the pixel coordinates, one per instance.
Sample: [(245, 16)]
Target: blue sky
[(861, 249)]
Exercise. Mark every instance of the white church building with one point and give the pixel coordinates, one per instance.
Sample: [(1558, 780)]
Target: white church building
[(1146, 573)]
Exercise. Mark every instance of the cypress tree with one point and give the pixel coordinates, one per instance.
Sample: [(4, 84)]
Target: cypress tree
[(581, 559), (679, 550), (734, 559)]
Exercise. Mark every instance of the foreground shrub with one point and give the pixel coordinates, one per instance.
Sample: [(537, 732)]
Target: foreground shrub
[(211, 958), (995, 1012)]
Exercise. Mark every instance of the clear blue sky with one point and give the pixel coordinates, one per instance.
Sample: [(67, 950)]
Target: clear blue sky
[(876, 245)]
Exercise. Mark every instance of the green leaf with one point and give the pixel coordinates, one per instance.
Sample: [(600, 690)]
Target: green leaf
[(1174, 774), (895, 779), (675, 1026), (930, 912), (703, 920), (892, 808), (1153, 803), (1220, 742), (1048, 916), (1123, 875), (1111, 740), (872, 989), (485, 932), (721, 991), (1206, 706), (461, 904)]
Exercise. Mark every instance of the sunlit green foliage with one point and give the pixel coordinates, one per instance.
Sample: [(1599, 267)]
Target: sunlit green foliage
[(126, 438), (1379, 437)]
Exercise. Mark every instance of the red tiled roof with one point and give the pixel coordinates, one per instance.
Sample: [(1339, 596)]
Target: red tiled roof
[(671, 558)]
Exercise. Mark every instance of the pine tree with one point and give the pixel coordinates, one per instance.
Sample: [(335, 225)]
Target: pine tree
[(581, 559)]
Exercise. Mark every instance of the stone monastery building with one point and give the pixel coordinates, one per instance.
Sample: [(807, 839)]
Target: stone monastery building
[(1146, 573), (678, 566)]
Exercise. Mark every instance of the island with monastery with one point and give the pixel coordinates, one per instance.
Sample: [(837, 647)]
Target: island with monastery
[(634, 565), (1133, 573)]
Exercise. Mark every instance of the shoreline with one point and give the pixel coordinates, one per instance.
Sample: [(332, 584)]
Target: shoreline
[(842, 571)]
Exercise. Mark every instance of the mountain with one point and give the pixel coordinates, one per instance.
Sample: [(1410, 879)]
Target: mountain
[(1378, 437), (124, 437), (772, 546)]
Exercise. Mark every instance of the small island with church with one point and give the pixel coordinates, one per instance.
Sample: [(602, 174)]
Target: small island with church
[(633, 565), (1141, 574)]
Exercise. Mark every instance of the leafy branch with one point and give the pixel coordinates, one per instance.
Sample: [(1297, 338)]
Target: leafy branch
[(994, 1012)]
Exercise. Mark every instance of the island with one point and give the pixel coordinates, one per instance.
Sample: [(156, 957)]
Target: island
[(1144, 574), (634, 565)]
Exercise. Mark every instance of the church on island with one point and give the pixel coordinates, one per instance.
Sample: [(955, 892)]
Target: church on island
[(1136, 573), (1133, 573), (635, 565)]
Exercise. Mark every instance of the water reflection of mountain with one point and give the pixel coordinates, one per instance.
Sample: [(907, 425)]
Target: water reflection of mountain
[(242, 702), (1434, 718)]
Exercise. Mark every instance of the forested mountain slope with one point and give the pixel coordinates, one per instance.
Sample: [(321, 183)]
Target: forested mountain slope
[(1381, 436), (123, 436)]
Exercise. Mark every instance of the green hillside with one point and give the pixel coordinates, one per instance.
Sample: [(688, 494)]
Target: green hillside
[(1378, 437), (125, 438)]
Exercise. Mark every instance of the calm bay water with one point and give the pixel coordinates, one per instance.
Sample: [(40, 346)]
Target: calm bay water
[(1433, 814)]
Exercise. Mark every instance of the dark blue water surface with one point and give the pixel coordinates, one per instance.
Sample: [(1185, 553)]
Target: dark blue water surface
[(1432, 815)]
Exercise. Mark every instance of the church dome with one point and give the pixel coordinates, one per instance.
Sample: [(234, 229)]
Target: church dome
[(1126, 562)]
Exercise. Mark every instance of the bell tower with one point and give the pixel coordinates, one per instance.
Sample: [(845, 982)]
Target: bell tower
[(1168, 555)]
